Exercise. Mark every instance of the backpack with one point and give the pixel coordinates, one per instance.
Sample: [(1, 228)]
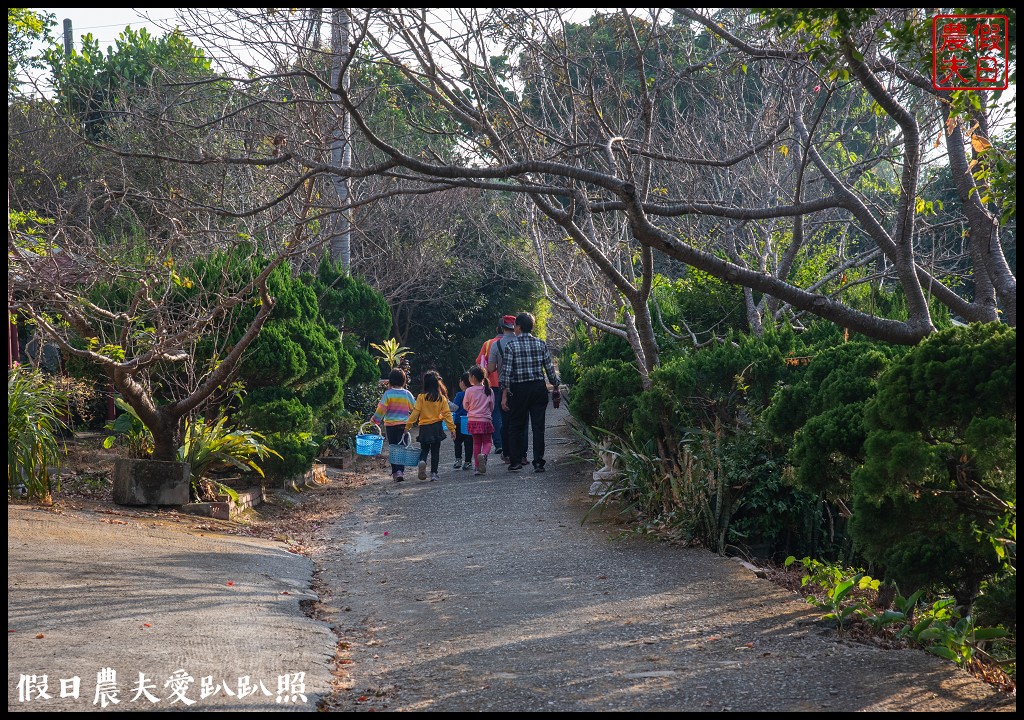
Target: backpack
[(485, 353)]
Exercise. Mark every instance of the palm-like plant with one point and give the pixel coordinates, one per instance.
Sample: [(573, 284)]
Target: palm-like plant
[(215, 446), (391, 352)]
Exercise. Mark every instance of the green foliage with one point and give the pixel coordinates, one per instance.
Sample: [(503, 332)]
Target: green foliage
[(35, 408), (296, 453), (91, 85), (940, 460), (298, 366), (725, 384), (938, 627), (582, 352), (25, 27), (207, 446), (822, 407), (366, 368), (446, 333), (349, 303), (604, 395), (705, 303), (839, 585), (997, 603), (341, 433), (702, 414), (28, 231), (770, 513), (277, 410), (211, 446), (997, 169), (129, 431)]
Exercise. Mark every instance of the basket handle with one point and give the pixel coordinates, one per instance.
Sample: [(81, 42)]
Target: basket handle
[(406, 440), (375, 425)]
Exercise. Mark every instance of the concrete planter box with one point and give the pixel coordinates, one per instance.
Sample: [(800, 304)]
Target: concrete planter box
[(150, 482)]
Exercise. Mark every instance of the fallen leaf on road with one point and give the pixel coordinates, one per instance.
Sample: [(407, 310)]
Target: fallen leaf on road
[(285, 592), (231, 582), (40, 636), (602, 577), (146, 625)]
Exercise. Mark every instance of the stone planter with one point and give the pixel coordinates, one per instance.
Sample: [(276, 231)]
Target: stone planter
[(604, 480), (151, 482)]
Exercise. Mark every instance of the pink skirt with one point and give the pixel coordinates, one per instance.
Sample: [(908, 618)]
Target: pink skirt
[(480, 427)]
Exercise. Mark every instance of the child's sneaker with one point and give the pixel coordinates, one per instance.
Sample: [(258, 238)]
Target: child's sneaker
[(433, 477), (421, 470), (481, 463), (467, 465), (400, 476), (457, 465)]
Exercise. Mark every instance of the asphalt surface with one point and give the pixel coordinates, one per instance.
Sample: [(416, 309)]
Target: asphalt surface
[(487, 594), (87, 595), (468, 594)]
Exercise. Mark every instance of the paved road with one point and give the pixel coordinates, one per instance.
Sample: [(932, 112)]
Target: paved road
[(486, 593), (126, 594), (472, 593)]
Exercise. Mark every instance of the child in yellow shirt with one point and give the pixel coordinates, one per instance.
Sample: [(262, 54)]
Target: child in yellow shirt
[(429, 412)]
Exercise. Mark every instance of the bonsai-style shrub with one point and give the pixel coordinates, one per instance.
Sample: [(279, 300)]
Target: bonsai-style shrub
[(939, 471)]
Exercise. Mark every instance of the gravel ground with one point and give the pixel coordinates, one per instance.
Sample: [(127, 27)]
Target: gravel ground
[(487, 594)]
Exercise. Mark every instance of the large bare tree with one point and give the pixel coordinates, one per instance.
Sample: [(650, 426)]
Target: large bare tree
[(715, 141), (584, 138)]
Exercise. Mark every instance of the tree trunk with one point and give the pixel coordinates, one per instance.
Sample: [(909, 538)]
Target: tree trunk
[(341, 146)]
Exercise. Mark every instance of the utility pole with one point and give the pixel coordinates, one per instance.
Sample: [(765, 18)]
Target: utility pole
[(69, 37), (341, 145)]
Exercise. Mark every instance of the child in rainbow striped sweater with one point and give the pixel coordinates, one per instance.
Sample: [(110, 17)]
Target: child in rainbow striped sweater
[(394, 409)]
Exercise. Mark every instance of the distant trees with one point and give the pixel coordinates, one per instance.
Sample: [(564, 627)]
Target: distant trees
[(102, 256), (745, 152), (782, 153), (25, 27)]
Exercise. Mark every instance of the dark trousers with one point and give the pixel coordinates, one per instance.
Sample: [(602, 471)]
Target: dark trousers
[(394, 435), (506, 426), (528, 401), (498, 436), (434, 449), (463, 442)]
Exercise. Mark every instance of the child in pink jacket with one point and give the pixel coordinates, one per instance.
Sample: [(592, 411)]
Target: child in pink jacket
[(479, 404)]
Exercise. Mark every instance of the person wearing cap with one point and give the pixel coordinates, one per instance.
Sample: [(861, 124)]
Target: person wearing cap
[(506, 328), (525, 363)]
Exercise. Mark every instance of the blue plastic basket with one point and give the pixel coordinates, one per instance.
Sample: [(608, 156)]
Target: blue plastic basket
[(464, 424), (367, 444), (404, 453)]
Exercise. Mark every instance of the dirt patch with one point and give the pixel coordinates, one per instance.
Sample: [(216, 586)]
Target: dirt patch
[(295, 516)]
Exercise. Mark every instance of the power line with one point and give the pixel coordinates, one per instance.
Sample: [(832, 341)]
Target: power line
[(119, 25)]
